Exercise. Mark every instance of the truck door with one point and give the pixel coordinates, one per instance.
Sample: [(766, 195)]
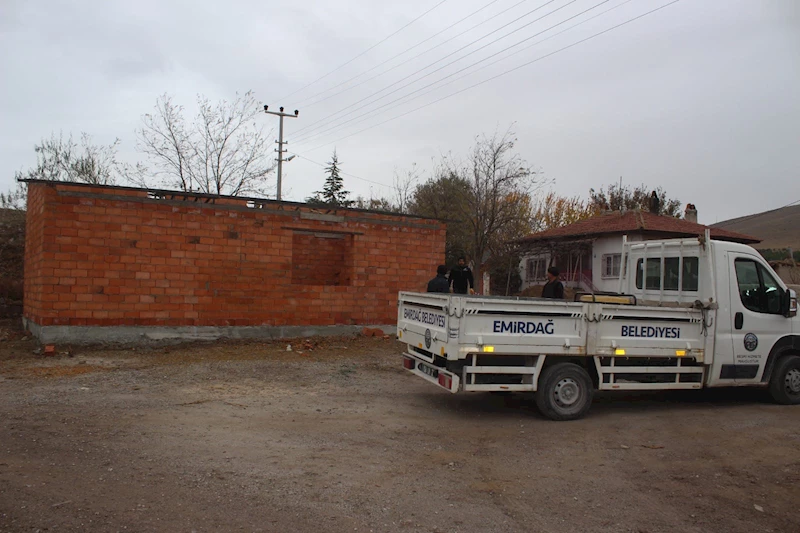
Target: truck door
[(755, 315)]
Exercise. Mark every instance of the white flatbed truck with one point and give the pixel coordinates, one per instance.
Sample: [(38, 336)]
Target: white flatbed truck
[(689, 314)]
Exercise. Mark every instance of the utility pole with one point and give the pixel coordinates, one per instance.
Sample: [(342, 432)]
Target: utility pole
[(280, 114)]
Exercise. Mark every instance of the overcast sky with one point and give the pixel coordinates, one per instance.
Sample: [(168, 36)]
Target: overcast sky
[(701, 97)]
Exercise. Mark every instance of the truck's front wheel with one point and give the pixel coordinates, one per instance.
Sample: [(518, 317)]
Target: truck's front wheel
[(565, 392), (784, 384)]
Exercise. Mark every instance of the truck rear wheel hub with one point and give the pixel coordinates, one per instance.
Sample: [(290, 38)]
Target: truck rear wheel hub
[(567, 392)]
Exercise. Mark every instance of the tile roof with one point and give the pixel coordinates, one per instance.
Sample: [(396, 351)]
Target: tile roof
[(636, 221)]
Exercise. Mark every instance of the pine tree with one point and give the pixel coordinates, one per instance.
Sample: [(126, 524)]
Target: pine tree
[(332, 193)]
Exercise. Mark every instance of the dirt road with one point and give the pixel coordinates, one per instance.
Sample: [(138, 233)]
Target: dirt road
[(248, 437)]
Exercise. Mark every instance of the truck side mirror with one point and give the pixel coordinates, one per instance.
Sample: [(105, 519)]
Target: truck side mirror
[(788, 307)]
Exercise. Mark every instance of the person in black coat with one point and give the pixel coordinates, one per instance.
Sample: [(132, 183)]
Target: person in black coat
[(553, 288), (440, 282), (461, 278)]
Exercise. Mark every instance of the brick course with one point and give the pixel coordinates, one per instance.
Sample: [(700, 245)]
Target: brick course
[(112, 256)]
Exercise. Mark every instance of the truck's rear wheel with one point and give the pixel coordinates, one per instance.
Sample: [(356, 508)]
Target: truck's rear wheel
[(565, 392), (784, 385)]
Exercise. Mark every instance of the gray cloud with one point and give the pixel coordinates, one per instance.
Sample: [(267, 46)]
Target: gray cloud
[(700, 98)]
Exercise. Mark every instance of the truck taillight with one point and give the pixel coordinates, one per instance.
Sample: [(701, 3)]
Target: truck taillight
[(445, 381), (408, 363), (793, 307)]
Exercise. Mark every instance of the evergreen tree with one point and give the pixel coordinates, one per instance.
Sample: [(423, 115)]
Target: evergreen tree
[(332, 193)]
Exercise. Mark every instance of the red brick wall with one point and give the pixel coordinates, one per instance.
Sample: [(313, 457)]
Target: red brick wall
[(34, 290), (108, 256)]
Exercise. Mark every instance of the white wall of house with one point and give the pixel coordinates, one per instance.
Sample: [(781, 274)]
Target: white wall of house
[(604, 279)]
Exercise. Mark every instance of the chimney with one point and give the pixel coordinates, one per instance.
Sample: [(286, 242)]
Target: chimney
[(691, 213)]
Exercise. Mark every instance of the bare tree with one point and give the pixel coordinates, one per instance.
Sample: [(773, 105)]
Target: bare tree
[(14, 199), (223, 150), (500, 184), (404, 185), (60, 159)]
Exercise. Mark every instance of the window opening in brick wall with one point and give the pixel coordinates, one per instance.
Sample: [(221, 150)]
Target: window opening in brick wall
[(322, 258)]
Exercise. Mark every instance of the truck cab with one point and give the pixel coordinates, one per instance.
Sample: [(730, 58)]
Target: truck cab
[(755, 320)]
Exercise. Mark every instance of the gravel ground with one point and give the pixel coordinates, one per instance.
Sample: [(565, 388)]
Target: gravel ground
[(334, 436)]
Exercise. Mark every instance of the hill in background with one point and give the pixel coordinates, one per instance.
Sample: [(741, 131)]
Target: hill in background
[(779, 228)]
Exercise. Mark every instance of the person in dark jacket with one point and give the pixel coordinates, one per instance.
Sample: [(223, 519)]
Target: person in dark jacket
[(440, 282), (553, 288), (461, 278)]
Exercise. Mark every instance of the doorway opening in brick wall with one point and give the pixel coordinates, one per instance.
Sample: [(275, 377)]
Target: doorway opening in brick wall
[(322, 258)]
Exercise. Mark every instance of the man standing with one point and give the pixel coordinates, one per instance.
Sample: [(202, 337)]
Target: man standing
[(461, 278), (439, 283), (553, 288)]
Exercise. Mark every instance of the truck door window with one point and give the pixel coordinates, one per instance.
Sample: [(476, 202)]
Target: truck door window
[(757, 288)]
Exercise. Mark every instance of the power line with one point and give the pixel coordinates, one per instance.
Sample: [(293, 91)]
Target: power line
[(356, 121), (305, 137), (306, 103), (362, 53), (523, 65), (347, 108), (345, 173)]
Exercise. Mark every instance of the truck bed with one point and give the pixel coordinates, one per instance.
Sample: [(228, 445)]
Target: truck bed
[(463, 336)]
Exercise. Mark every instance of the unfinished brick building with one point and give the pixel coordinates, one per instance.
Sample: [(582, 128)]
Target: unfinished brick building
[(123, 264)]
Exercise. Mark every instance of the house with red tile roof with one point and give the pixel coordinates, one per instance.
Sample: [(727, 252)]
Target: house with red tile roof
[(589, 252)]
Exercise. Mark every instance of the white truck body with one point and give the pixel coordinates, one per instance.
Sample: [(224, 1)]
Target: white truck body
[(690, 313)]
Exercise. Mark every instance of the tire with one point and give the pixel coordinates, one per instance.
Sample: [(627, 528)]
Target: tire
[(784, 384), (565, 392)]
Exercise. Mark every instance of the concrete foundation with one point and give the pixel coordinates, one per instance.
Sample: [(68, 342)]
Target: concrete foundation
[(156, 334)]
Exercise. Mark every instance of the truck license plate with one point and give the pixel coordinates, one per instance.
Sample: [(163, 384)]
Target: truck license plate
[(432, 372)]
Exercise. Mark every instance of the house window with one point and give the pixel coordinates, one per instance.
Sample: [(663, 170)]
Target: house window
[(535, 269), (611, 265)]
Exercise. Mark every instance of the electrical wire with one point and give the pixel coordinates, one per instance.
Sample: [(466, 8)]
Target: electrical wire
[(306, 104), (347, 108), (471, 73), (509, 71), (305, 137), (362, 53), (301, 156)]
